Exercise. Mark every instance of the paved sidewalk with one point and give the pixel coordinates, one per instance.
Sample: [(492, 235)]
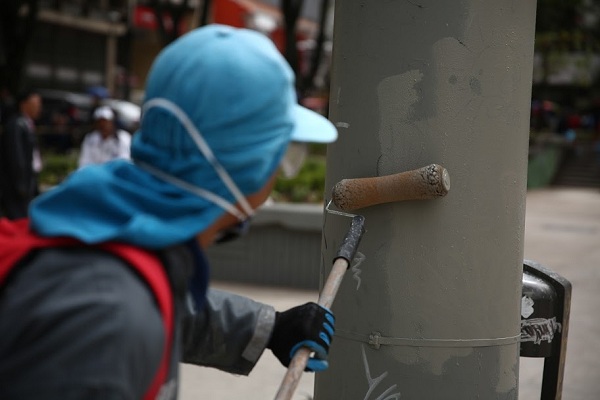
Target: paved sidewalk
[(562, 232)]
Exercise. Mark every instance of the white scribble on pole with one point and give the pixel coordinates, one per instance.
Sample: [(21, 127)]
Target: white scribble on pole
[(358, 259), (537, 330), (526, 307), (374, 382)]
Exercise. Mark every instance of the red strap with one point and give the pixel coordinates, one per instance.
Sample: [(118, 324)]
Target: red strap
[(17, 240)]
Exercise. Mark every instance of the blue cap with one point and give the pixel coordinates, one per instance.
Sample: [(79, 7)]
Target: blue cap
[(238, 91)]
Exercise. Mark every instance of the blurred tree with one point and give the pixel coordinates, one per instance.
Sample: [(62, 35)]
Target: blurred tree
[(317, 55), (591, 19), (17, 22), (170, 13), (291, 10), (553, 15), (562, 28), (205, 11)]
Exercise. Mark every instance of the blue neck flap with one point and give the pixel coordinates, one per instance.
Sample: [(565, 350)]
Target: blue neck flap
[(119, 201)]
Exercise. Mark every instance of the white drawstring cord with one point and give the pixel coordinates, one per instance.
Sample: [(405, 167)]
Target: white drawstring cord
[(210, 157)]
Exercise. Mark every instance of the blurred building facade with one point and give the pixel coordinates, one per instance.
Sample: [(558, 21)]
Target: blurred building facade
[(76, 44), (79, 44), (112, 43)]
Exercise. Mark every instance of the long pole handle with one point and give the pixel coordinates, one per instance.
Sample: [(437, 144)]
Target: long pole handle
[(343, 258), (300, 359), (424, 183)]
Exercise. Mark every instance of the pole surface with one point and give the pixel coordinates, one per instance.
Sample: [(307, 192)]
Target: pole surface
[(433, 310)]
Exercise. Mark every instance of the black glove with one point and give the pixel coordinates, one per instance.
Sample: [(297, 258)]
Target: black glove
[(308, 325)]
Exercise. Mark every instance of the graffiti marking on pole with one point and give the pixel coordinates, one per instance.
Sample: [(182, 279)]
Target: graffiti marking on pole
[(374, 382), (358, 259), (537, 330)]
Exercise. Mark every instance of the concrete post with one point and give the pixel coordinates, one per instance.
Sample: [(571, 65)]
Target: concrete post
[(433, 310)]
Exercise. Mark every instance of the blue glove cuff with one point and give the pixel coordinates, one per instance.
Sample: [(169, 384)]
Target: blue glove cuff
[(316, 363)]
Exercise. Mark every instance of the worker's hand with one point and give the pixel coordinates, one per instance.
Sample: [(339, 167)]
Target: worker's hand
[(308, 325)]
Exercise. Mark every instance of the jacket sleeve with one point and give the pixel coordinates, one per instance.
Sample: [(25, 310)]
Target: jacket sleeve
[(18, 161), (230, 333)]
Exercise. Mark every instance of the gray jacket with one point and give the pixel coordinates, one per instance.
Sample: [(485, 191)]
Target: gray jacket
[(78, 322), (229, 332)]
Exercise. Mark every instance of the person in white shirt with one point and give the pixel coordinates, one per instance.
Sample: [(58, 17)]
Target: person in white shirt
[(106, 142)]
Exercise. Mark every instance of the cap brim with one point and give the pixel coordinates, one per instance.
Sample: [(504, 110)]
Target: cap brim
[(312, 127)]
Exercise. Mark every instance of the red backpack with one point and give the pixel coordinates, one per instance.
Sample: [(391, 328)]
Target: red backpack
[(17, 240)]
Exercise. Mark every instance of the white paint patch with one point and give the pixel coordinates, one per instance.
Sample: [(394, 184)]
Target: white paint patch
[(439, 356), (342, 125), (396, 96), (526, 307), (508, 375)]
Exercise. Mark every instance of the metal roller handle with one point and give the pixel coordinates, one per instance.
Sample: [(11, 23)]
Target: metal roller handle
[(430, 182), (341, 263)]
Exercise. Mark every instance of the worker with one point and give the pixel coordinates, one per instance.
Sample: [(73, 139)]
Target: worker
[(105, 286)]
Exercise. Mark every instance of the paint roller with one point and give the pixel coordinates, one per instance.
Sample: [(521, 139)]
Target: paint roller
[(430, 182)]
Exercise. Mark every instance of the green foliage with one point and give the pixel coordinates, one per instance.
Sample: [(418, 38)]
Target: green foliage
[(560, 26), (56, 168), (307, 187), (319, 149)]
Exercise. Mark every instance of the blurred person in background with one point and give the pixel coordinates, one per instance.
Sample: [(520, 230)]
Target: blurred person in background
[(106, 142), (20, 156)]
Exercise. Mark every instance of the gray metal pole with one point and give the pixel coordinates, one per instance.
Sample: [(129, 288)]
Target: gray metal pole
[(432, 312)]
